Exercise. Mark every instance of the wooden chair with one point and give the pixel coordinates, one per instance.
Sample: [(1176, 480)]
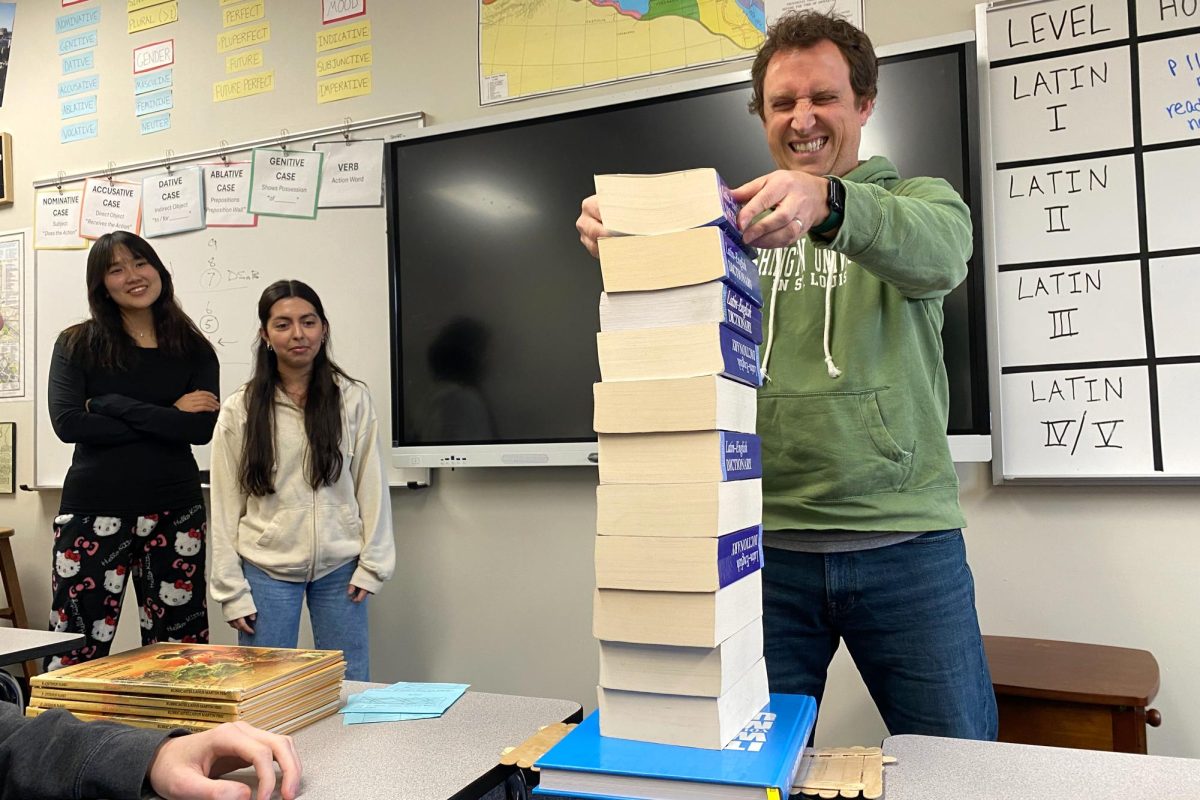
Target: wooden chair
[(1067, 694), (14, 612)]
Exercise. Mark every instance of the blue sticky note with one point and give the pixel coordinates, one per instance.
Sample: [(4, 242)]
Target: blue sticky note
[(152, 82), (88, 83), (78, 62), (78, 130), (80, 19), (77, 107), (162, 100), (409, 698), (156, 123), (80, 41)]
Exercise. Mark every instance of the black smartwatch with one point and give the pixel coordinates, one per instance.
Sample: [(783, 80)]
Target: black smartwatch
[(837, 207)]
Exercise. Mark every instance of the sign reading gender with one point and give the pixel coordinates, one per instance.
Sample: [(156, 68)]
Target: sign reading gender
[(1094, 125)]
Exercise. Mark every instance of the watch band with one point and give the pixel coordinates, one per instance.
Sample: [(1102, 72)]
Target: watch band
[(837, 207)]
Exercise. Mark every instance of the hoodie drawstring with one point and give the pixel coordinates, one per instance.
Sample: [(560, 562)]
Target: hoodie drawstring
[(830, 367), (771, 310)]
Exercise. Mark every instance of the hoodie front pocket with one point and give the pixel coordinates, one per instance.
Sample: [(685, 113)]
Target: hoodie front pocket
[(284, 547), (829, 446)]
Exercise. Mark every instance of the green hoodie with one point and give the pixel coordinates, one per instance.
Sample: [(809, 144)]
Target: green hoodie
[(866, 451)]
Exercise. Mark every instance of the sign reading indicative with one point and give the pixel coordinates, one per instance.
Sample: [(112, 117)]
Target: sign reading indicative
[(285, 183)]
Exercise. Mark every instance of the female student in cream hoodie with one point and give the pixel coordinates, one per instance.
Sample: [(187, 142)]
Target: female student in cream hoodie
[(300, 505)]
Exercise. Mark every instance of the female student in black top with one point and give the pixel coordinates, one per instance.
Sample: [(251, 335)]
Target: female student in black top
[(133, 387)]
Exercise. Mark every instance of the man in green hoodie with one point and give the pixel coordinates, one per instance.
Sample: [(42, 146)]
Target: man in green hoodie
[(860, 498)]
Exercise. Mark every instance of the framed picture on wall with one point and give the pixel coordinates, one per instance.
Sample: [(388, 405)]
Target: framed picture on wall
[(7, 12), (8, 457), (6, 184)]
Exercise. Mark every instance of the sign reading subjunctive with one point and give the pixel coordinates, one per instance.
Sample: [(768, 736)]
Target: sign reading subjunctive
[(285, 183)]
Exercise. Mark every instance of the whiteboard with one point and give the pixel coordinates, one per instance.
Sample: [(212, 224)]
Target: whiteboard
[(219, 274), (1092, 147)]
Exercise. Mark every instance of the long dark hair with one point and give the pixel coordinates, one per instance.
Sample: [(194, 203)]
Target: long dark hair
[(102, 340), (322, 408)]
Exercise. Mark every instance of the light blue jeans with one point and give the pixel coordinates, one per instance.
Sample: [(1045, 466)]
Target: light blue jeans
[(337, 623), (907, 615)]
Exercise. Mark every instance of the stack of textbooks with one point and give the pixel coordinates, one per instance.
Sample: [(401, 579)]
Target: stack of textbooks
[(197, 686), (761, 763), (678, 605)]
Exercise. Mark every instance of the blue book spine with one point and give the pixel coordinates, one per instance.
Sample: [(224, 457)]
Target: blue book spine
[(740, 270), (741, 456), (742, 316), (738, 554), (728, 222), (740, 356)]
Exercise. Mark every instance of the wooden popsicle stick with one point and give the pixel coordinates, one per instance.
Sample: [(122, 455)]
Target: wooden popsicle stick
[(833, 773), (846, 751), (873, 777), (529, 751), (847, 772)]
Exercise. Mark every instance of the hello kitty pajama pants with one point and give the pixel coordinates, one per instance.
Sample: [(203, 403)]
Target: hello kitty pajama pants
[(162, 554)]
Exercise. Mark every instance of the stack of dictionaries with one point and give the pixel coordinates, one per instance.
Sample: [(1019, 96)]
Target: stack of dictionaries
[(683, 703)]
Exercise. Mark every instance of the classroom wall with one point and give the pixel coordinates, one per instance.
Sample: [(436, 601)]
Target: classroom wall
[(494, 575)]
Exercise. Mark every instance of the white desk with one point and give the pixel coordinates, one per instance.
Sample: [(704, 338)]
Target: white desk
[(932, 768), (456, 756), (22, 644)]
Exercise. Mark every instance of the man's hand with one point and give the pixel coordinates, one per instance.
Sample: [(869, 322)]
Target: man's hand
[(799, 200), (197, 401), (243, 624), (185, 767), (356, 594), (590, 227)]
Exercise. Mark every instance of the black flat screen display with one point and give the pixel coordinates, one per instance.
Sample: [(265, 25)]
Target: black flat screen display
[(495, 300)]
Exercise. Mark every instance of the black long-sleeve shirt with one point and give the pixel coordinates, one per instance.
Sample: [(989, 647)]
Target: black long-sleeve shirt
[(55, 755), (133, 448)]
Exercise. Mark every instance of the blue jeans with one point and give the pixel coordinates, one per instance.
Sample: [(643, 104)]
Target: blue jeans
[(337, 623), (907, 615)]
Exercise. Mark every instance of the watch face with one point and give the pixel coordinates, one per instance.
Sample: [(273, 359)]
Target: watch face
[(837, 195)]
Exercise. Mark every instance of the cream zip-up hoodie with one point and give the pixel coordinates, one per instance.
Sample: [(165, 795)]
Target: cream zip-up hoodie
[(298, 533)]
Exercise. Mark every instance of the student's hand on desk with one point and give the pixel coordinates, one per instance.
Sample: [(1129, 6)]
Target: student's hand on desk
[(184, 767), (590, 228), (796, 201), (356, 594), (198, 401), (243, 623)]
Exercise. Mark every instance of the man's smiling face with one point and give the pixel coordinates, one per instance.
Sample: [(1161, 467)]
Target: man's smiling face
[(812, 118)]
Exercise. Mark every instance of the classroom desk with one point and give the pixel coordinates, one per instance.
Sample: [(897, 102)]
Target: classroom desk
[(456, 756), (932, 768), (22, 644)]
